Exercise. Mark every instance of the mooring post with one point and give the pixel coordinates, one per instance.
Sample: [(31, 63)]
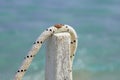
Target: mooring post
[(58, 63)]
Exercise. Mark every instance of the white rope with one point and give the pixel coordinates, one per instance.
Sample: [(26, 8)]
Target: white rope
[(58, 28)]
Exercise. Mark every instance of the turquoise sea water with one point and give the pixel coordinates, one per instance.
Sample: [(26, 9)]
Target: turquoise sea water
[(97, 23)]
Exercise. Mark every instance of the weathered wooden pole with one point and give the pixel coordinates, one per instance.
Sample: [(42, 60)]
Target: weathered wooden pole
[(58, 63)]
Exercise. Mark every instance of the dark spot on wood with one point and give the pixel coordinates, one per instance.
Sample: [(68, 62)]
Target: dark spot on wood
[(50, 29), (41, 42), (58, 25), (27, 56), (18, 71), (74, 41), (70, 56), (38, 42), (21, 70), (71, 42)]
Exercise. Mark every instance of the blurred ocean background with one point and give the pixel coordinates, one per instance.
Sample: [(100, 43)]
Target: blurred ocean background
[(97, 23)]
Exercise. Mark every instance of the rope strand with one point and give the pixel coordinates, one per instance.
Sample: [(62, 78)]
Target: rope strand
[(58, 28)]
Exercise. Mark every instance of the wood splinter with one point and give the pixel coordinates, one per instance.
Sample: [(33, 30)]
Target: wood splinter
[(58, 25)]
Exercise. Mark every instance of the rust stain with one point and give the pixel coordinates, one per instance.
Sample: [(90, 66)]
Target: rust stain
[(58, 25)]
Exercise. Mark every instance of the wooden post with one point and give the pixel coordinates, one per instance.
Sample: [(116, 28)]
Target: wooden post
[(58, 64)]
